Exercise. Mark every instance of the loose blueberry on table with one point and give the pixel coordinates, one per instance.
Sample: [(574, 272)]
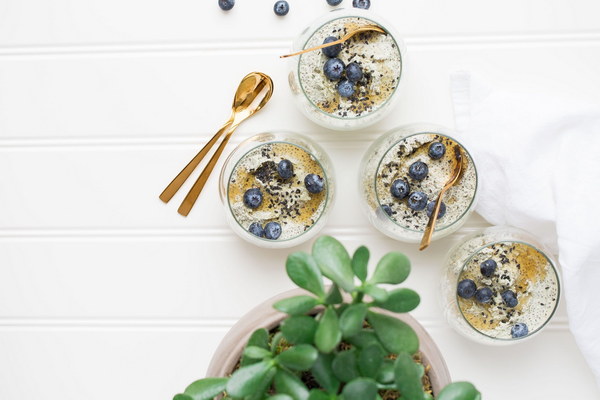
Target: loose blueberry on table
[(364, 4), (226, 5), (281, 8), (334, 2)]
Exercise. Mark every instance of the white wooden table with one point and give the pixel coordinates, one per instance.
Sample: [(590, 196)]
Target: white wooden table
[(106, 293)]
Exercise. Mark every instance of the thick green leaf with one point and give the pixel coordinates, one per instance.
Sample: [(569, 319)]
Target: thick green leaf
[(333, 295), (401, 301), (364, 338), (328, 334), (247, 380), (334, 262), (386, 372), (296, 305), (408, 378), (396, 336), (392, 268), (280, 397), (205, 389), (264, 385), (259, 338), (360, 262), (352, 319), (299, 329), (370, 360), (377, 293), (345, 365), (304, 272), (322, 371), (317, 394), (256, 352), (291, 385), (300, 357), (182, 396), (360, 389), (459, 391)]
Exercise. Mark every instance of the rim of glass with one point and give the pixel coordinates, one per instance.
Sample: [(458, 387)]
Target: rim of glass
[(324, 205), (467, 210), (382, 104), (558, 290)]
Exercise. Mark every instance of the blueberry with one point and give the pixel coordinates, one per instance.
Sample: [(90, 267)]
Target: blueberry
[(256, 229), (334, 2), (226, 5), (418, 170), (345, 88), (484, 295), (466, 288), (331, 51), (334, 68), (399, 188), (441, 212), (281, 7), (314, 183), (519, 330), (253, 198), (272, 230), (510, 298), (387, 209), (364, 4), (488, 267), (437, 150), (354, 72), (285, 168), (417, 201)]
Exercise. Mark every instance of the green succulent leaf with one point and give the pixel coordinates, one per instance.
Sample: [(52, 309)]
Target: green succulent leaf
[(296, 305), (360, 389), (360, 262), (345, 365), (317, 394), (370, 360), (396, 336), (393, 268), (299, 329), (205, 389), (280, 397), (328, 334), (334, 296), (300, 357), (459, 391), (304, 272), (264, 385), (248, 380), (364, 338), (322, 371), (182, 396), (334, 262), (408, 377), (287, 383), (259, 338), (400, 301), (256, 352), (352, 319), (377, 293), (386, 372)]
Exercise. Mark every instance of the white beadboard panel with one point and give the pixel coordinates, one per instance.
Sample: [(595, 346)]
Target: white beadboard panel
[(64, 22)]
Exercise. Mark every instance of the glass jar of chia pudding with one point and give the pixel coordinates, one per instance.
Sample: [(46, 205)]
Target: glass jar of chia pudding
[(352, 85), (277, 189), (499, 286), (401, 175)]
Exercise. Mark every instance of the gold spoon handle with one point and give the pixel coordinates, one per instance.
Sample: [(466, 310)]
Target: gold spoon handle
[(185, 173), (431, 223)]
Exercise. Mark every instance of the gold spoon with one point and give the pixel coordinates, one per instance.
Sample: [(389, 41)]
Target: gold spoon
[(244, 106), (456, 173), (247, 91), (364, 28)]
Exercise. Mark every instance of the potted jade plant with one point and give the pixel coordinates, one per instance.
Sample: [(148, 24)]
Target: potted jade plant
[(349, 341)]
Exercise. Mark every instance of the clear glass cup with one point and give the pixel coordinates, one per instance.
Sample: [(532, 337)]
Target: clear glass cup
[(382, 165), (253, 164), (376, 93), (527, 269)]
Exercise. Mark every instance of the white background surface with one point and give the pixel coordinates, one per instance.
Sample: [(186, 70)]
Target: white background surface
[(106, 293)]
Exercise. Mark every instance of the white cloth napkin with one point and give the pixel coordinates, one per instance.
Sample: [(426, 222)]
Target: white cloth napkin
[(538, 158)]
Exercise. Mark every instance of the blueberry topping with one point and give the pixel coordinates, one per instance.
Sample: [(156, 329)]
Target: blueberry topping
[(281, 7), (431, 206), (331, 51), (226, 5), (256, 229), (510, 298), (417, 201), (314, 183), (285, 169), (334, 2), (488, 267), (334, 68), (466, 288), (272, 230), (519, 330), (345, 88), (437, 150), (400, 188), (364, 4), (387, 209), (354, 72), (484, 295), (418, 170), (253, 198)]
